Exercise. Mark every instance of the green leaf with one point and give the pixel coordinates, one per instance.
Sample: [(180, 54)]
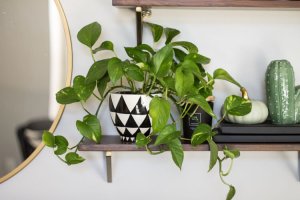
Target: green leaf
[(231, 193), (156, 30), (97, 71), (73, 158), (102, 84), (179, 54), (184, 81), (170, 34), (231, 153), (176, 149), (224, 75), (235, 105), (167, 135), (134, 72), (48, 139), (90, 128), (146, 47), (162, 61), (115, 69), (105, 46), (61, 144), (189, 65), (89, 34), (67, 96), (168, 82), (213, 153), (82, 89), (197, 58), (141, 140), (190, 47), (159, 111), (201, 134), (137, 54), (201, 101)]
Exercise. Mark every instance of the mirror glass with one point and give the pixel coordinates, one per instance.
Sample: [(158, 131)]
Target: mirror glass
[(32, 69)]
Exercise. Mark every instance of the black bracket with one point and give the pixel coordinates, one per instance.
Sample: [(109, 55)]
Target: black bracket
[(140, 14)]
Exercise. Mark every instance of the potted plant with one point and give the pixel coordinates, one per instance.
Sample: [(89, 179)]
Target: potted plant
[(151, 80)]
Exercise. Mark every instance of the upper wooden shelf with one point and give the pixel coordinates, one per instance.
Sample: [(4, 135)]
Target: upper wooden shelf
[(113, 143), (209, 3)]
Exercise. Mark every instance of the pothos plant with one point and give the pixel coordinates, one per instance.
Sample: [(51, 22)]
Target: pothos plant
[(176, 71)]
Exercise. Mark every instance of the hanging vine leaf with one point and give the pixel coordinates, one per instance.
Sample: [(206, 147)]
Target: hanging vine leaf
[(105, 46), (231, 193), (224, 75), (90, 128), (137, 54), (176, 149), (115, 70), (73, 158), (159, 111), (141, 140), (82, 89), (167, 135), (156, 30), (170, 34), (97, 71), (162, 61), (190, 47), (89, 34), (213, 153), (235, 105), (201, 133), (67, 96), (48, 139)]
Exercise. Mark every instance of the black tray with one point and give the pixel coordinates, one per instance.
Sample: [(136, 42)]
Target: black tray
[(243, 138), (259, 129)]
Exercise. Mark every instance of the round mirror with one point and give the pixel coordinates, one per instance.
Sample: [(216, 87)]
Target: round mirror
[(35, 51)]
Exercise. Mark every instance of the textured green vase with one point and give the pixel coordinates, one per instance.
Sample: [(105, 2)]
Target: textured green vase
[(283, 98)]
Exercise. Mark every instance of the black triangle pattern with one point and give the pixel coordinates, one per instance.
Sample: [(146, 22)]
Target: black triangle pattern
[(148, 132), (118, 122), (111, 106), (146, 123), (131, 122), (122, 107), (139, 108)]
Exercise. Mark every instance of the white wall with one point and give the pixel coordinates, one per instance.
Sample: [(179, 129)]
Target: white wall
[(242, 41)]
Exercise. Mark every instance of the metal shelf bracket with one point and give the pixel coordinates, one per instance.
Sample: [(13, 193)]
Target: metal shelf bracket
[(141, 13), (108, 156)]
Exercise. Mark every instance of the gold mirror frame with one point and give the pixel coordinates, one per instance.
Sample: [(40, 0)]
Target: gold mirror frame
[(62, 107)]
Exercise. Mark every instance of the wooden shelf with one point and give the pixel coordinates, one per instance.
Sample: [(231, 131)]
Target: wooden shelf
[(209, 3), (113, 143)]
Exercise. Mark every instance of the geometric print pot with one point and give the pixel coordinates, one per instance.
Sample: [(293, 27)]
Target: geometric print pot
[(130, 114)]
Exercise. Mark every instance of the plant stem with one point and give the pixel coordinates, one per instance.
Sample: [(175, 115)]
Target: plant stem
[(220, 172), (153, 82), (84, 108), (62, 159), (219, 122), (173, 119), (92, 55), (76, 144), (151, 152), (186, 139), (229, 169), (186, 112), (97, 97)]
